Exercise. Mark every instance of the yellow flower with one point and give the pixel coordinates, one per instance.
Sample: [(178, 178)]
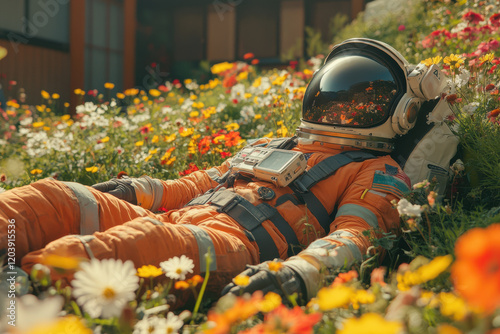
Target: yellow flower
[(131, 92), (257, 82), (213, 83), (67, 324), (181, 100), (271, 301), (155, 139), (66, 104), (232, 127), (170, 138), (453, 60), (55, 96), (61, 262), (247, 95), (433, 60), (452, 306), (38, 124), (269, 135), (109, 85), (193, 97), (45, 95), (308, 72), (171, 161), (257, 116), (154, 151), (137, 100), (221, 67), (487, 58), (154, 92), (121, 96), (423, 273), (362, 297), (144, 98), (241, 280), (149, 271), (242, 76), (188, 81), (46, 128), (139, 143), (334, 297), (194, 114), (36, 171), (78, 91), (105, 139), (171, 94), (65, 117), (198, 105), (275, 266), (92, 169), (41, 108), (372, 323), (187, 132)]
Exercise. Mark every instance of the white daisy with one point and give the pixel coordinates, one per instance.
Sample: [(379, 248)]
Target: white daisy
[(155, 325), (103, 288), (409, 209), (177, 267), (33, 312)]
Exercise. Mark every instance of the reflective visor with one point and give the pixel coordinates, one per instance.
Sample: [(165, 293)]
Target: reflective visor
[(351, 91)]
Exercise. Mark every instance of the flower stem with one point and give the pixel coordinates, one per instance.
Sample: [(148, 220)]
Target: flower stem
[(203, 286)]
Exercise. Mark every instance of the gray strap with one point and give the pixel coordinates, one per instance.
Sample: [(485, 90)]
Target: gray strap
[(85, 239), (204, 243), (350, 209), (89, 209)]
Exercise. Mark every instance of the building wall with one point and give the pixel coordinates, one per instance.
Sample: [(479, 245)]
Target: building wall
[(36, 68)]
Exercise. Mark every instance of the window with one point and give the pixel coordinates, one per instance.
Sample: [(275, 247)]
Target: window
[(35, 22), (104, 44), (257, 28)]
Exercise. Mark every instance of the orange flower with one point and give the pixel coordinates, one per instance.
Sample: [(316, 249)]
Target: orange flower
[(275, 265), (254, 61), (377, 276), (248, 55), (476, 271), (345, 277)]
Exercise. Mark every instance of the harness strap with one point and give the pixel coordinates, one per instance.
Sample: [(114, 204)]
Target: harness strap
[(302, 185), (251, 218)]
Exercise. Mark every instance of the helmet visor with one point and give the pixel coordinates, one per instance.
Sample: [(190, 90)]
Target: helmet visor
[(351, 91)]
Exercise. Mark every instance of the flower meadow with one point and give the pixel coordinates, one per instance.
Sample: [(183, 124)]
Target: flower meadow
[(441, 274)]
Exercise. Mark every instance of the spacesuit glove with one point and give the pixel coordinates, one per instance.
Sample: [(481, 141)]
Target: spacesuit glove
[(284, 281), (121, 188)]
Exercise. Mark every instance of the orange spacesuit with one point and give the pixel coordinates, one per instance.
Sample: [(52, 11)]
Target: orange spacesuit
[(358, 100)]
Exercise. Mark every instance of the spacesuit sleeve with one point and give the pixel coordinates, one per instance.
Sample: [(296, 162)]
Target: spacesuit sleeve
[(364, 206), (153, 194)]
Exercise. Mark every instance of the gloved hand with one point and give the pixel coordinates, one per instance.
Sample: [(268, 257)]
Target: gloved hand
[(121, 188), (284, 282)]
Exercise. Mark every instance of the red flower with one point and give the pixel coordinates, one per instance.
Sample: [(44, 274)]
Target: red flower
[(254, 61), (451, 98), (230, 81), (401, 27), (192, 168), (495, 20), (489, 87), (473, 17), (121, 174), (235, 101), (163, 88), (248, 55), (293, 64), (204, 144), (284, 320), (224, 155)]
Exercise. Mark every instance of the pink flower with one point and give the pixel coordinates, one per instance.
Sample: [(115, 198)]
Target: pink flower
[(401, 27)]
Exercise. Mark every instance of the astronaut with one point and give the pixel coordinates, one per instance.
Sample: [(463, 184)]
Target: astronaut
[(308, 204)]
